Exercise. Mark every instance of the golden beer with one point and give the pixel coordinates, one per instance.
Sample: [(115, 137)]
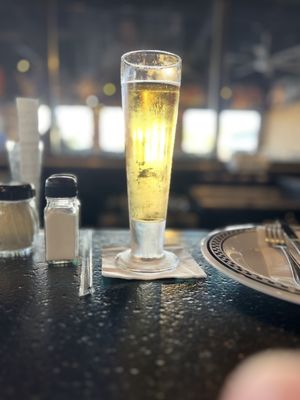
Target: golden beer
[(150, 109), (150, 92)]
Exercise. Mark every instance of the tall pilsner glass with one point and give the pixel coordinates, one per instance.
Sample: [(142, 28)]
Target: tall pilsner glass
[(150, 82)]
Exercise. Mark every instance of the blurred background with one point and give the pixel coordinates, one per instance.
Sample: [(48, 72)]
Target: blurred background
[(237, 151)]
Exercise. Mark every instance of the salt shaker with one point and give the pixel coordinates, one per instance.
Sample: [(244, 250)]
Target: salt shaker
[(61, 219)]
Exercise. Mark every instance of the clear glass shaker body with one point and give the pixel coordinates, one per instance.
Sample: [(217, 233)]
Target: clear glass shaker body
[(19, 225), (61, 220)]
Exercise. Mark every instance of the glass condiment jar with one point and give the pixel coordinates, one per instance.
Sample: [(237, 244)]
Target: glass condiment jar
[(61, 219), (18, 219)]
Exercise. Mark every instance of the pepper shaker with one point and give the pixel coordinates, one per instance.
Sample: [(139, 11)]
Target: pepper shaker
[(61, 219)]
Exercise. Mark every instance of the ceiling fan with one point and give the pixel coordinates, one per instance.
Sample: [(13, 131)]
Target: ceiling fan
[(261, 60)]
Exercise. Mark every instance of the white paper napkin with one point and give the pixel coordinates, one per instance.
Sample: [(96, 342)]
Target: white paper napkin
[(187, 267)]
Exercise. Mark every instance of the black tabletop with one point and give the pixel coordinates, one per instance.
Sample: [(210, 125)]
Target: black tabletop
[(169, 339)]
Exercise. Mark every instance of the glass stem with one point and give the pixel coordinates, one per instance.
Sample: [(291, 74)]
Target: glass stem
[(147, 239)]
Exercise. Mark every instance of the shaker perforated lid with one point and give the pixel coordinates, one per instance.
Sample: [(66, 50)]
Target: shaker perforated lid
[(15, 191), (61, 185)]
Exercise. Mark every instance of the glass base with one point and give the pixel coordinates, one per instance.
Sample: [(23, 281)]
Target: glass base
[(168, 262)]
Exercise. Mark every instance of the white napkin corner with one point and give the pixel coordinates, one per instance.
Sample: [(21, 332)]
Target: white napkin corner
[(187, 267)]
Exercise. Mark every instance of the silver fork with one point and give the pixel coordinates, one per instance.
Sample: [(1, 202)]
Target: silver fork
[(274, 236)]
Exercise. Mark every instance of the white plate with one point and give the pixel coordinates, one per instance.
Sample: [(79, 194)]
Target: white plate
[(234, 251)]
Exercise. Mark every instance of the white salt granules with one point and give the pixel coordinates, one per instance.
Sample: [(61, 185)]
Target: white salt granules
[(61, 232)]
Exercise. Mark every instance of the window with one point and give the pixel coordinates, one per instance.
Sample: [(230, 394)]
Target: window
[(76, 126), (44, 116), (111, 130), (2, 133), (199, 131), (239, 131)]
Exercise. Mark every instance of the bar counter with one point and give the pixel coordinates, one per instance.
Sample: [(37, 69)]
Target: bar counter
[(169, 339)]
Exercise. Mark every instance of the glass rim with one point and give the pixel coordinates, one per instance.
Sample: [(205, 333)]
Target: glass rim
[(167, 53)]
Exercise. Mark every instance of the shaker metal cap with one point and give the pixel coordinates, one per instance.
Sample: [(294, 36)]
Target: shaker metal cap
[(61, 185), (15, 191)]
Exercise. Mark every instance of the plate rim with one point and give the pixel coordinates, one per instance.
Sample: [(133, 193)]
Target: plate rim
[(240, 274)]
